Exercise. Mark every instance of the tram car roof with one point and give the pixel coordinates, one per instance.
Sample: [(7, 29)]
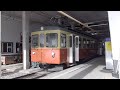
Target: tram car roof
[(45, 28)]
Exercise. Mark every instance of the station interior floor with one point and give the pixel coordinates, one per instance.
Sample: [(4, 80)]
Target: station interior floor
[(96, 70), (93, 69)]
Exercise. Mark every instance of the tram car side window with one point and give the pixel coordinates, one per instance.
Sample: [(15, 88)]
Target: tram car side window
[(88, 44), (42, 40), (35, 41), (63, 40), (84, 43), (70, 38), (77, 43), (80, 42), (51, 40), (93, 44)]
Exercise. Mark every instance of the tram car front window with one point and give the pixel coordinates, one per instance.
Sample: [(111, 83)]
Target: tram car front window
[(51, 40), (41, 40), (34, 41)]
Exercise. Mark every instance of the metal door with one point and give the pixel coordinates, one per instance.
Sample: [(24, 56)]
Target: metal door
[(76, 48), (71, 48)]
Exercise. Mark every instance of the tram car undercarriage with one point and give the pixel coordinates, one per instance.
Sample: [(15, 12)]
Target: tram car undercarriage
[(57, 46)]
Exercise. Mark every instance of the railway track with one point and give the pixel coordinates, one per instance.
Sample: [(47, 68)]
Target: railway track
[(11, 69), (43, 73), (40, 73), (35, 75)]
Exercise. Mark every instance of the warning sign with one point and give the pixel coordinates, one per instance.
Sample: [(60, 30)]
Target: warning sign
[(108, 46)]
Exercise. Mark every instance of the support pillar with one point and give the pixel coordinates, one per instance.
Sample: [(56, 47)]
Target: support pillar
[(114, 25), (0, 44), (25, 39)]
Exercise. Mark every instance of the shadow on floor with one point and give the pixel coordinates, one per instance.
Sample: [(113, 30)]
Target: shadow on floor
[(104, 70), (115, 76), (82, 74), (43, 75), (4, 73)]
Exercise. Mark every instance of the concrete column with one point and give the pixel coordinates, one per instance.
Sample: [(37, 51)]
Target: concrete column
[(25, 34), (0, 44), (114, 25)]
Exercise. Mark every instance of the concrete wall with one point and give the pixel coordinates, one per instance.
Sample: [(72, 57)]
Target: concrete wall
[(35, 27), (11, 29)]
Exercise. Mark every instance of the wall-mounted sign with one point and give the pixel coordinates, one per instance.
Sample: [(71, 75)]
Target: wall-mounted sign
[(108, 54)]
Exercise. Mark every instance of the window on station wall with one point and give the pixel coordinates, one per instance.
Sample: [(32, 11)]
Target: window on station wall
[(77, 42), (51, 40), (42, 40), (7, 47), (34, 41), (70, 38), (63, 40), (18, 47)]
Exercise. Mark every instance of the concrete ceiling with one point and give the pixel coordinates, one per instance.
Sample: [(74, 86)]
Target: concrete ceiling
[(88, 16), (94, 19)]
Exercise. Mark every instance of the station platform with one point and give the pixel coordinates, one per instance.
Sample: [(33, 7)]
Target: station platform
[(10, 69), (93, 69)]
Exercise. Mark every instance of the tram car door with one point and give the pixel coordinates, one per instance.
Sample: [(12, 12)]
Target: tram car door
[(74, 49), (77, 48), (71, 49)]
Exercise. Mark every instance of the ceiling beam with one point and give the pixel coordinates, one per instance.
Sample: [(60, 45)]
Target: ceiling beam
[(97, 25), (96, 22), (98, 31), (101, 30), (70, 17)]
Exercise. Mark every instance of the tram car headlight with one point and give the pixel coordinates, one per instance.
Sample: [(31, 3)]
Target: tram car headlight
[(33, 52), (53, 54)]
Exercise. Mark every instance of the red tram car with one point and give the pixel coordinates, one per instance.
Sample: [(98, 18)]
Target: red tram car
[(57, 46)]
